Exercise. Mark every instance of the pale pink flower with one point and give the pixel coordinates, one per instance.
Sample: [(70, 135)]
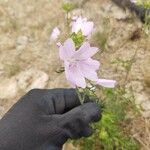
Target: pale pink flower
[(81, 24), (78, 64), (55, 34), (106, 83), (133, 1)]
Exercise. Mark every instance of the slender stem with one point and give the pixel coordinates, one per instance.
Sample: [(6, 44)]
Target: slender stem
[(81, 96), (68, 21)]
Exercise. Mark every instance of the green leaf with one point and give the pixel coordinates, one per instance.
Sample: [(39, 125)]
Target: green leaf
[(68, 7), (78, 39)]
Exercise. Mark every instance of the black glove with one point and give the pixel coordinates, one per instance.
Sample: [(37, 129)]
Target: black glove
[(45, 119)]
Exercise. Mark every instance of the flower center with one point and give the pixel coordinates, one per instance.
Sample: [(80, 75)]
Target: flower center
[(72, 62)]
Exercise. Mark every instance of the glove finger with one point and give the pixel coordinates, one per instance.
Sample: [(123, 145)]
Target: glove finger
[(63, 99), (76, 120), (88, 112)]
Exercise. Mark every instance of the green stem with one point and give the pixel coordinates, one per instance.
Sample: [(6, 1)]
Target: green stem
[(68, 21), (81, 96)]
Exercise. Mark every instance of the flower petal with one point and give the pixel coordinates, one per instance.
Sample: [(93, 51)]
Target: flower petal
[(89, 68), (67, 50), (76, 25), (74, 75), (85, 51), (55, 33), (89, 74), (94, 64), (87, 28), (106, 83)]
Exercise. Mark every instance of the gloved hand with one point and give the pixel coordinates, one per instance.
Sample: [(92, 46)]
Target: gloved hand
[(45, 119)]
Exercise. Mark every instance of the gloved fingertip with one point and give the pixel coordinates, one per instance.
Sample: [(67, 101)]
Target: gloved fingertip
[(87, 132), (91, 111)]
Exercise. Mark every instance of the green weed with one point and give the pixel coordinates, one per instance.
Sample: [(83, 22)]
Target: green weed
[(109, 132)]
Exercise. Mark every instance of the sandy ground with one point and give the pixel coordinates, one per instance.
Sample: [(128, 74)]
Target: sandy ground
[(28, 60)]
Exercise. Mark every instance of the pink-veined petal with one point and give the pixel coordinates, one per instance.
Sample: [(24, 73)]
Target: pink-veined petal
[(106, 83), (88, 68), (74, 75), (94, 64), (89, 73), (85, 51), (87, 28), (67, 50)]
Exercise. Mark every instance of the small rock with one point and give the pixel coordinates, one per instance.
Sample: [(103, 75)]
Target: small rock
[(146, 114), (118, 13), (20, 48), (146, 105), (8, 88), (22, 40), (140, 98), (111, 43), (32, 78)]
